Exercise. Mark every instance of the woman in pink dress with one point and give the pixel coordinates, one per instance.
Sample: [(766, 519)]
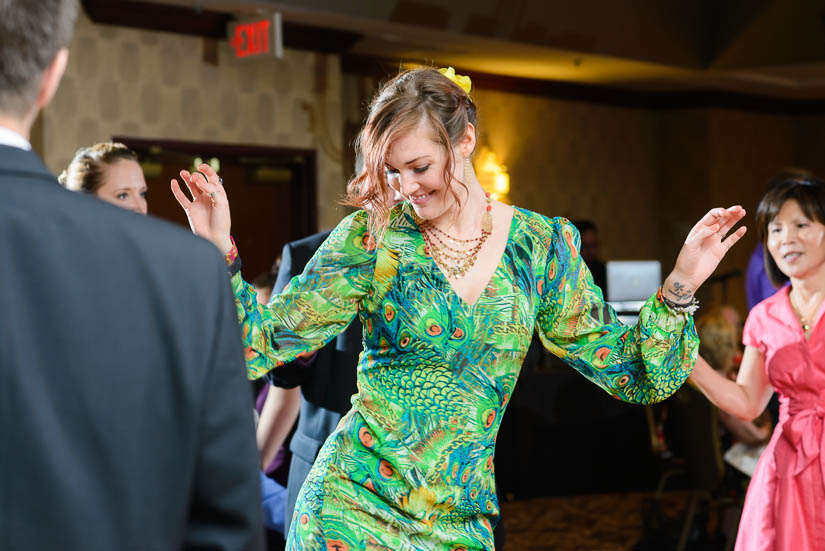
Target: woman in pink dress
[(784, 341)]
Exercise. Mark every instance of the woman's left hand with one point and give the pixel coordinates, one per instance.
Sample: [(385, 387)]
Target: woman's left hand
[(704, 248), (208, 210)]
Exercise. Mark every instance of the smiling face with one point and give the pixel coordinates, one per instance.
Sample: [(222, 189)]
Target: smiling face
[(415, 165), (796, 243), (124, 186), (392, 135)]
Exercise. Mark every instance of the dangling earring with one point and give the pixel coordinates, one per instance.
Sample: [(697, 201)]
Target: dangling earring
[(487, 215)]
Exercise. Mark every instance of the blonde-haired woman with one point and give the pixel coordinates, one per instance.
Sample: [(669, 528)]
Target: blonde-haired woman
[(109, 171)]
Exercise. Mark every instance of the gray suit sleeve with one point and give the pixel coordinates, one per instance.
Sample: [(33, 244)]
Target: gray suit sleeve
[(226, 503), (286, 271)]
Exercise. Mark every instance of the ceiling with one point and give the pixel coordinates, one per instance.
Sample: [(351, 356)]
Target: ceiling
[(771, 48)]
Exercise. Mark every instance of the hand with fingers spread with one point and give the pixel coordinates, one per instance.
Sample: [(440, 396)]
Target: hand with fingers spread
[(208, 210), (705, 246)]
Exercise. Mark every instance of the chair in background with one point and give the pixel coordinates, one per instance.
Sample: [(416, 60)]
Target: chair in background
[(693, 462)]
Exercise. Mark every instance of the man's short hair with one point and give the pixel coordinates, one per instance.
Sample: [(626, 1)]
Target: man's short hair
[(31, 34)]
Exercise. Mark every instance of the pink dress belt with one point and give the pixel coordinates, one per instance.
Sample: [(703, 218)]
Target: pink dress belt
[(804, 430)]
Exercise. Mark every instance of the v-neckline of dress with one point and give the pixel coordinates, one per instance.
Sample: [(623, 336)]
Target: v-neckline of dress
[(445, 280)]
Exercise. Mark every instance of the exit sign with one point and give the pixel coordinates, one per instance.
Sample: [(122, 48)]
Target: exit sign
[(257, 37)]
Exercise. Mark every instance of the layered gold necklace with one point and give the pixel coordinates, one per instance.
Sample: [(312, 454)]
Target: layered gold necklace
[(455, 256)]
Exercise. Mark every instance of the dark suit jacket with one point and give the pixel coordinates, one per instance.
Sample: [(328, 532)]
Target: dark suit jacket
[(327, 382), (125, 416)]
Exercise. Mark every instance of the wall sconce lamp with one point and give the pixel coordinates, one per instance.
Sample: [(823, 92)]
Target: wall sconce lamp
[(492, 176)]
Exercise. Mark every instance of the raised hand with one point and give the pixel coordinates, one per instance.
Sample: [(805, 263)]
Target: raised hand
[(208, 210), (705, 246)]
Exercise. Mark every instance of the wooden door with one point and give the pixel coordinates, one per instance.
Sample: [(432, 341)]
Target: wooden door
[(271, 193)]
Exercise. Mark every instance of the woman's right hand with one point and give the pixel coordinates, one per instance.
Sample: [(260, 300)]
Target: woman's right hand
[(208, 210)]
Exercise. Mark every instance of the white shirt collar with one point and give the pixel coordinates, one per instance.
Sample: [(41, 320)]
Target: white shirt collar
[(13, 139)]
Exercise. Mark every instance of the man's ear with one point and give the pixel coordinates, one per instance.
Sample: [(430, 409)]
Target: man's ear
[(51, 78)]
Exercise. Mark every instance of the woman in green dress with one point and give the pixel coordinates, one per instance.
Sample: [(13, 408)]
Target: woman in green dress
[(450, 286)]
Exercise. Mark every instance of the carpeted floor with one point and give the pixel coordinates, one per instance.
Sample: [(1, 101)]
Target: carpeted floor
[(588, 523)]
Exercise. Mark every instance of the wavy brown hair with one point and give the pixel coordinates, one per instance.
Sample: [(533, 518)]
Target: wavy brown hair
[(400, 105), (85, 171)]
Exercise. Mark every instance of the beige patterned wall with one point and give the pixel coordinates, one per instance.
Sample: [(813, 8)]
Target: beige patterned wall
[(578, 160), (123, 81)]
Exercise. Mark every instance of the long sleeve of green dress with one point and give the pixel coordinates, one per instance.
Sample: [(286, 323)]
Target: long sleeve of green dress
[(315, 306), (641, 363)]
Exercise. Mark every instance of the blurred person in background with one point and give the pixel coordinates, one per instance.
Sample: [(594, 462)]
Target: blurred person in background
[(109, 171)]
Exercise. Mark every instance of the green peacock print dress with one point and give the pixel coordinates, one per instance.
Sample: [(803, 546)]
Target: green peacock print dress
[(410, 467)]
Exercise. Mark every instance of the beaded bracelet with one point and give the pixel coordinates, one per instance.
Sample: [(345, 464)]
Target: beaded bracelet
[(233, 260), (233, 252), (689, 307)]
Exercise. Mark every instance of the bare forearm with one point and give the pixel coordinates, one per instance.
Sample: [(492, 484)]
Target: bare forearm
[(745, 431), (724, 393), (677, 288), (277, 417)]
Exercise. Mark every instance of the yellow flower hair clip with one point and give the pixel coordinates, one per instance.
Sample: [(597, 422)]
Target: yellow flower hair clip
[(463, 82)]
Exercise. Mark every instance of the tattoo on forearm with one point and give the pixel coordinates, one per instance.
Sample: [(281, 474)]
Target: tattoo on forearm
[(680, 292)]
